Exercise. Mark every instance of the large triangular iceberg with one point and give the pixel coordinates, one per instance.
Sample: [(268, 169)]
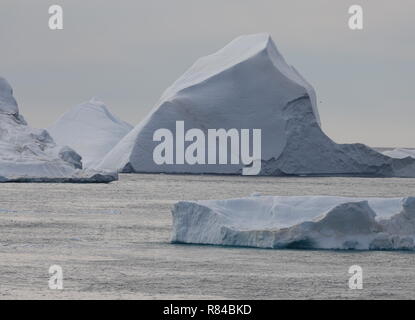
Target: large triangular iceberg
[(31, 155), (249, 85), (90, 129)]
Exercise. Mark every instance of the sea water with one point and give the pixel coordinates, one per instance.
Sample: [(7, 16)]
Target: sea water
[(112, 241)]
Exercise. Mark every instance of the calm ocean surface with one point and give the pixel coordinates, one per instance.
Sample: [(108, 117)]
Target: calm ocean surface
[(112, 241)]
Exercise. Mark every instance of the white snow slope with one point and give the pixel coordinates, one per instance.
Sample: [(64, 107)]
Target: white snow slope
[(31, 155), (90, 129), (318, 222), (400, 153), (249, 85)]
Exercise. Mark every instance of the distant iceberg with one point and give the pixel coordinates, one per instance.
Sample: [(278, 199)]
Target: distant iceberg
[(31, 155), (8, 104), (400, 153), (90, 129), (304, 222), (249, 85)]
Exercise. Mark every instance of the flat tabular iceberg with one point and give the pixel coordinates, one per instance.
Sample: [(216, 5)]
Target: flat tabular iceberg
[(31, 155), (249, 85), (90, 129), (318, 222)]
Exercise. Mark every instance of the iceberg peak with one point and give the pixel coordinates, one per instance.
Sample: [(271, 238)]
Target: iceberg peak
[(90, 129), (8, 104)]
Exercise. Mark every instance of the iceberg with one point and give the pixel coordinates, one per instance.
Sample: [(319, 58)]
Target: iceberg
[(31, 155), (90, 129), (249, 85), (400, 153), (302, 222)]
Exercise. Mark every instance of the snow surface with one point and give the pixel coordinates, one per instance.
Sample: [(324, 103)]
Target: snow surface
[(28, 154), (319, 222), (400, 153), (90, 129), (249, 85)]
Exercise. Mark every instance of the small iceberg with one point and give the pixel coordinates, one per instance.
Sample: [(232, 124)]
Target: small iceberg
[(31, 155), (90, 129)]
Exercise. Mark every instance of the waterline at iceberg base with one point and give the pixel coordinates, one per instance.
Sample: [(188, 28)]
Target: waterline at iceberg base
[(298, 222)]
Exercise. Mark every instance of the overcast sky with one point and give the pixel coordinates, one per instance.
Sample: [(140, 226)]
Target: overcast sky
[(128, 52)]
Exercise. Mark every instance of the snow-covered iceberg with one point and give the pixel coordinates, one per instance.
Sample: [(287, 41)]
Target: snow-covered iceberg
[(90, 129), (31, 155), (249, 85), (400, 153), (304, 222)]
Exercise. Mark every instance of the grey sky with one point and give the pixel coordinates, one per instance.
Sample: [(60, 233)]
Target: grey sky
[(128, 52)]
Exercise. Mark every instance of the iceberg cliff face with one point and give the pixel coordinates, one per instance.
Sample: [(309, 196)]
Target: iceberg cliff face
[(249, 85), (90, 129), (28, 154), (317, 222)]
